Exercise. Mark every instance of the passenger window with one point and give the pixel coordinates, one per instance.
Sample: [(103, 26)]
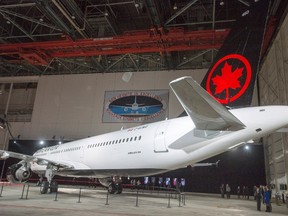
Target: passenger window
[(131, 139), (135, 138), (139, 138), (127, 139), (120, 141), (123, 140)]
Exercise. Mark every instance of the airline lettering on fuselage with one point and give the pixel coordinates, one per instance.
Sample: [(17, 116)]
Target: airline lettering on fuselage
[(135, 152), (137, 128)]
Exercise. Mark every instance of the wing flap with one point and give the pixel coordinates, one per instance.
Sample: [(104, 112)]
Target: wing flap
[(205, 111)]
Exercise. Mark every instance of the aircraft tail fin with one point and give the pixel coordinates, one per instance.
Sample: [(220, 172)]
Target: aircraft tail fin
[(231, 78), (206, 112)]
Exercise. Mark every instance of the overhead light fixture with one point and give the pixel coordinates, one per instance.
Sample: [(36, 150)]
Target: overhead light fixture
[(106, 13), (41, 142), (8, 22), (221, 3), (175, 7), (136, 5), (127, 76)]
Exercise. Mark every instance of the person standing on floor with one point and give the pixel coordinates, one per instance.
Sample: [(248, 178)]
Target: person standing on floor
[(258, 197), (228, 191), (222, 190), (267, 199), (238, 192)]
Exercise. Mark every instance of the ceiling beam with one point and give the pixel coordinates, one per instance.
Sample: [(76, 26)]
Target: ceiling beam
[(180, 11), (133, 42)]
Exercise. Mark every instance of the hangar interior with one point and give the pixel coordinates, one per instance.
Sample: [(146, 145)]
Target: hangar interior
[(273, 90), (59, 57)]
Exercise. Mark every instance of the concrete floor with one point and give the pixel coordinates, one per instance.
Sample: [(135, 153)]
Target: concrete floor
[(93, 202)]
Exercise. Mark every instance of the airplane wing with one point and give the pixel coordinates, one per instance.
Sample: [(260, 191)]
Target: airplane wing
[(28, 158), (205, 111)]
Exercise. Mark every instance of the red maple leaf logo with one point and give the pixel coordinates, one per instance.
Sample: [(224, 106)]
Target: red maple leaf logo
[(228, 80)]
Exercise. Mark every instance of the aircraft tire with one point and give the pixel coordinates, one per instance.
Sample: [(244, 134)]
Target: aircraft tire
[(112, 188), (44, 187), (54, 187)]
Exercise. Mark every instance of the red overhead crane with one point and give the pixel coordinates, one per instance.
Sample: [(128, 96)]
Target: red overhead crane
[(153, 40)]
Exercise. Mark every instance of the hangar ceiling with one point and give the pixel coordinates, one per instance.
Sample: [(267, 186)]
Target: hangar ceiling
[(47, 37)]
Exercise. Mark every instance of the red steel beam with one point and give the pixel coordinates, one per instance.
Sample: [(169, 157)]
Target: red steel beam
[(154, 40)]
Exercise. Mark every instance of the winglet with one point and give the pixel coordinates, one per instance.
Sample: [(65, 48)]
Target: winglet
[(206, 112)]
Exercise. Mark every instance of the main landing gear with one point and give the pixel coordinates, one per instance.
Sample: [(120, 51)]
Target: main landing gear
[(115, 188), (113, 184), (49, 184), (45, 186)]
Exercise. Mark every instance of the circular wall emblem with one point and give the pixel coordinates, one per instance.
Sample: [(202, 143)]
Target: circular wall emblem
[(229, 78), (135, 106)]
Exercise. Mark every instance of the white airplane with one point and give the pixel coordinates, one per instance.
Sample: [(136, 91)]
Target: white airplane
[(208, 130)]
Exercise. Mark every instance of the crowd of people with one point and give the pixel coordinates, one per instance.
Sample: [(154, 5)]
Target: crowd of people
[(262, 195)]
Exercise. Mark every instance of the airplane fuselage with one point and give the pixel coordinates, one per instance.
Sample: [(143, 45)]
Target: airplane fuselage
[(158, 147)]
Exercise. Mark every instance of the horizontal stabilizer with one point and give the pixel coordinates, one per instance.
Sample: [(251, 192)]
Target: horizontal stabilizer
[(205, 111), (283, 130)]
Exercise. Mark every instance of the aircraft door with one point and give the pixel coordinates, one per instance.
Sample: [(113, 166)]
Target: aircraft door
[(159, 139), (82, 157)]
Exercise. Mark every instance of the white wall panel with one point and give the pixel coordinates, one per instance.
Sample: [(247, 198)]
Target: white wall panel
[(72, 105)]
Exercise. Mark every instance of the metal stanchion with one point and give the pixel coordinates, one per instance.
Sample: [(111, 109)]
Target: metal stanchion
[(179, 198), (107, 198), (1, 189), (56, 196), (79, 197), (137, 197), (27, 191), (183, 199), (2, 178), (22, 191), (169, 200)]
